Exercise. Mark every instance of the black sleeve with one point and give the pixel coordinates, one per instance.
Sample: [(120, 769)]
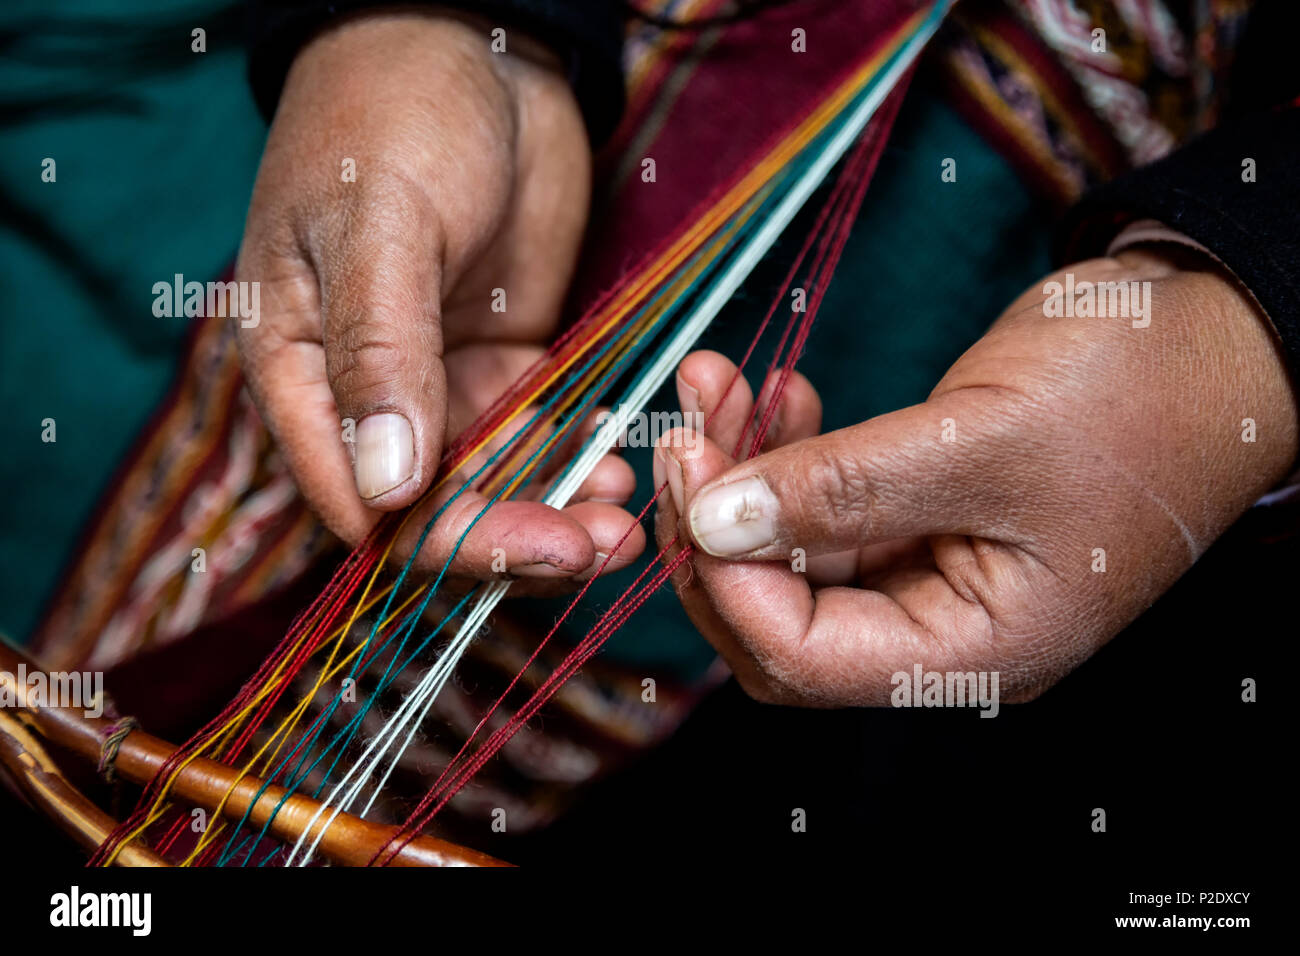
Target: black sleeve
[(1247, 215), (587, 34), (1253, 227)]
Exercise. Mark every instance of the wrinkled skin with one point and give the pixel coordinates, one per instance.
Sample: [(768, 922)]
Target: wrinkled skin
[(977, 554), (472, 174), (1069, 435)]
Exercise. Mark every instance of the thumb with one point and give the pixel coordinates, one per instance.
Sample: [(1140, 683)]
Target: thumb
[(946, 466), (381, 313)]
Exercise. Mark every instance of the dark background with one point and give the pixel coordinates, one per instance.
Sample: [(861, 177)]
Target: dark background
[(924, 813)]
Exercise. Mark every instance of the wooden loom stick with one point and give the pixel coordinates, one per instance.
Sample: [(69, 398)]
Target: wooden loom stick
[(39, 779), (349, 840)]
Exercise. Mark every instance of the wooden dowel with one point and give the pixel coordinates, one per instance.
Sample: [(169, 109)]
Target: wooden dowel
[(349, 840)]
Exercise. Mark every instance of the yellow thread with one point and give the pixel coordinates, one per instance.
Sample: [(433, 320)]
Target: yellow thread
[(624, 301)]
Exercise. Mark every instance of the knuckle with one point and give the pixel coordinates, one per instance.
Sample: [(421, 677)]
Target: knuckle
[(364, 356), (378, 352), (843, 486), (369, 339)]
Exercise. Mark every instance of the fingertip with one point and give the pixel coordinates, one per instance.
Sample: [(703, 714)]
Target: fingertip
[(799, 412), (688, 395), (550, 536), (612, 481), (697, 457), (705, 366), (508, 538), (617, 538), (724, 396)]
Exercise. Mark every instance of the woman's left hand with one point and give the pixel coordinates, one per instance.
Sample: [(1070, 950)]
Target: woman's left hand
[(1061, 476)]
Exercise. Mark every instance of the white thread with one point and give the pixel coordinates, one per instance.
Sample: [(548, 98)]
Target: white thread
[(605, 437)]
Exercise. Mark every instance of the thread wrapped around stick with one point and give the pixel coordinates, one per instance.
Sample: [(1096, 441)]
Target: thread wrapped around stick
[(114, 734)]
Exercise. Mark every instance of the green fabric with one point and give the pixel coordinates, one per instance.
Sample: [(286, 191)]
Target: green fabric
[(155, 149)]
